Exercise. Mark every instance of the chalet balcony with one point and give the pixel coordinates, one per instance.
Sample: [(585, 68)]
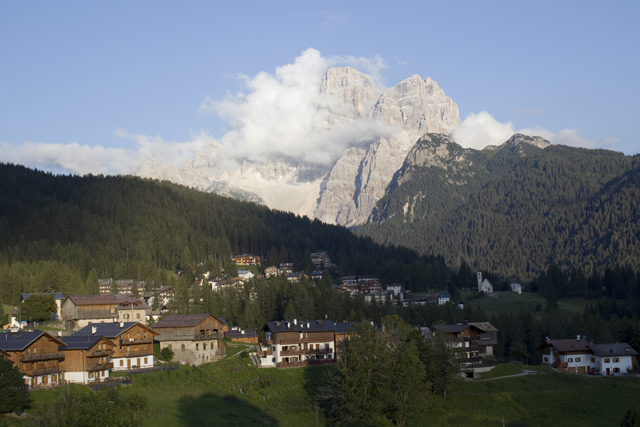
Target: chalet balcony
[(319, 351), (311, 340), (268, 342), (99, 367), (101, 353), (315, 362), (265, 353), (136, 341), (135, 354), (200, 337), (40, 357), (292, 352), (46, 371)]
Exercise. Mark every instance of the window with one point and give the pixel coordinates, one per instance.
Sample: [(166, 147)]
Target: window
[(197, 347), (170, 347), (145, 361), (90, 374), (593, 359), (577, 359), (182, 347), (204, 346), (616, 370), (606, 360), (121, 362), (126, 316), (570, 360), (616, 360)]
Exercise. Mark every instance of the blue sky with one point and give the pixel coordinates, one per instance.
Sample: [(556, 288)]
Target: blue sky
[(80, 75)]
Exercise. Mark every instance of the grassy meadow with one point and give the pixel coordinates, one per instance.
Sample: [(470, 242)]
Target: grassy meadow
[(233, 392), (511, 302)]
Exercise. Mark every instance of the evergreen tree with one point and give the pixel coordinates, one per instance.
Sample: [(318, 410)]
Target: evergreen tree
[(93, 286), (13, 395)]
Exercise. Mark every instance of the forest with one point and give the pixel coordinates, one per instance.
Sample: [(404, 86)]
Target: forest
[(517, 210)]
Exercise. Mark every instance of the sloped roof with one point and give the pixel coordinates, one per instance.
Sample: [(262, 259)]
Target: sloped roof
[(617, 349), (485, 326), (107, 299), (76, 342), (108, 330), (308, 326), (569, 345), (248, 333), (181, 320), (18, 341)]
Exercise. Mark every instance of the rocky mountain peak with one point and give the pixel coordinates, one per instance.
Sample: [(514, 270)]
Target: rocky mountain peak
[(418, 106), (519, 138), (353, 92)]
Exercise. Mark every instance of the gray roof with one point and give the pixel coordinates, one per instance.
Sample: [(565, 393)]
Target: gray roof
[(248, 333), (108, 330), (181, 320), (485, 326), (76, 342), (18, 341), (93, 299), (617, 349)]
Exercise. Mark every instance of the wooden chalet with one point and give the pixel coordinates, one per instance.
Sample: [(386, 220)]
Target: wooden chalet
[(133, 343), (80, 310), (37, 356), (195, 339), (247, 259), (471, 341), (87, 358)]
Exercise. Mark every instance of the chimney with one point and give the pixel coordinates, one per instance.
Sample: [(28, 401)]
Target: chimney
[(295, 321), (121, 324), (308, 325), (578, 338), (242, 332), (94, 330)]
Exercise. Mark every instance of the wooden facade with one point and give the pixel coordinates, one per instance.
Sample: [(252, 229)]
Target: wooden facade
[(195, 339), (37, 356), (80, 310), (87, 359)]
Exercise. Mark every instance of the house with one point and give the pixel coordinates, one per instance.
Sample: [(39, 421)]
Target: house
[(124, 286), (467, 340), (58, 298), (247, 259), (133, 343), (271, 271), (242, 335), (195, 339), (320, 258), (131, 309), (317, 275), (295, 277), (245, 274), (286, 267), (396, 288), (578, 356), (443, 298), (612, 359), (37, 356), (484, 285), (80, 310), (299, 343), (87, 359), (370, 285), (488, 337), (516, 287), (349, 280)]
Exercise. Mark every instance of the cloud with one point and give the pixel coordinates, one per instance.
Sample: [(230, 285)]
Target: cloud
[(285, 115), (333, 17), (479, 130), (83, 159), (400, 61)]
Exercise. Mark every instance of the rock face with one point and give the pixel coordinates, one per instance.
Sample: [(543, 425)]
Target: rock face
[(345, 192)]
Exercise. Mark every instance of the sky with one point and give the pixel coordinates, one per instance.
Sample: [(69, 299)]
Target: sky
[(100, 87)]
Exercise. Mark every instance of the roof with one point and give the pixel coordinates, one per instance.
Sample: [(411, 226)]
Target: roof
[(451, 328), (485, 326), (308, 326), (107, 299), (248, 333), (57, 295), (617, 349), (222, 319), (181, 320), (76, 342), (568, 345), (109, 330), (18, 341), (124, 302)]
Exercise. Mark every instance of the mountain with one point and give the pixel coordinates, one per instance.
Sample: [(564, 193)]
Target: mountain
[(380, 129), (513, 209)]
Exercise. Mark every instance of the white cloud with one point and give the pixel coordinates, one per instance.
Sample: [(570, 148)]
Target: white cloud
[(284, 115), (83, 159), (479, 130)]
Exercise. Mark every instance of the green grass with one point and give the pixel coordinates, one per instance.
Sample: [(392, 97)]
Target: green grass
[(510, 302), (233, 392), (502, 370)]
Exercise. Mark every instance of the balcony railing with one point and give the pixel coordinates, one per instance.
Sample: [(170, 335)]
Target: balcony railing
[(136, 341), (100, 367), (319, 351), (292, 352), (265, 353), (135, 354), (268, 342), (200, 337), (38, 372), (101, 353), (42, 356)]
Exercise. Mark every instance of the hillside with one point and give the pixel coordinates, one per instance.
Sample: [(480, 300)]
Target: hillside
[(513, 209), (55, 230)]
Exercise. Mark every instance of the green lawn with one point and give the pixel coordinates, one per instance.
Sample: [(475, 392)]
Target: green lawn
[(510, 302), (233, 392)]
